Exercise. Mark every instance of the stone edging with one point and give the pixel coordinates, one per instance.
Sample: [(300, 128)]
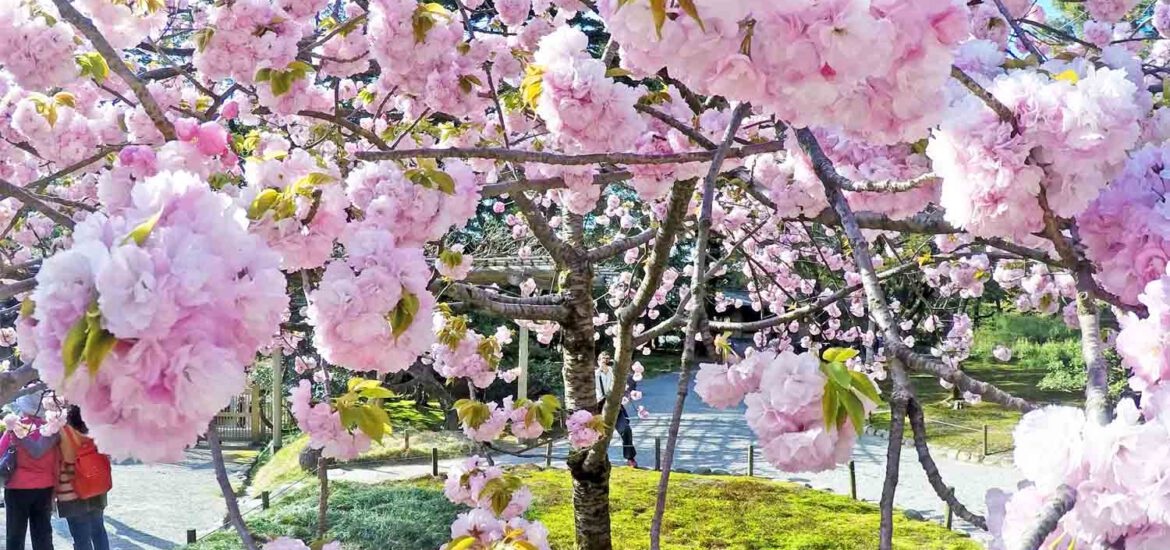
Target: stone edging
[(998, 459)]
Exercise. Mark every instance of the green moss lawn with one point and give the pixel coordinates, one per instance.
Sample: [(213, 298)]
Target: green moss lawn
[(704, 513)]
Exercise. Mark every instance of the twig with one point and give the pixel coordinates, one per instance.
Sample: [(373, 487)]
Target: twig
[(918, 425), (570, 160), (1054, 508)]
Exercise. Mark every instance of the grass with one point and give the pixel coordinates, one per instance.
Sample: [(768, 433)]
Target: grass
[(1027, 336), (284, 467), (704, 512)]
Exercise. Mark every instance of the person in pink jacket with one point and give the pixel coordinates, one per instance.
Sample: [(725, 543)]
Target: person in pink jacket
[(28, 492)]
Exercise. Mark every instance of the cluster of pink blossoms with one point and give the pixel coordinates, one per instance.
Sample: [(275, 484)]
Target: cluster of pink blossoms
[(323, 424), (1078, 127), (473, 483), (121, 24), (414, 213), (783, 394), (1143, 343), (72, 133), (39, 55), (245, 36), (1118, 471), (873, 68), (965, 276), (190, 297), (286, 543), (584, 428), (1126, 231), (473, 356), (372, 312), (303, 242)]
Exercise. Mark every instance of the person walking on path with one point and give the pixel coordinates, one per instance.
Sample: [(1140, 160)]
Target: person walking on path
[(28, 491), (603, 379), (85, 516)]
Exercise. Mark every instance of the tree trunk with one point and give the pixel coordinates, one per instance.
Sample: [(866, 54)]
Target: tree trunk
[(590, 478), (590, 502)]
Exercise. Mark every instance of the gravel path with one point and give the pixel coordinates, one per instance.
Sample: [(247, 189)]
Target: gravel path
[(152, 506)]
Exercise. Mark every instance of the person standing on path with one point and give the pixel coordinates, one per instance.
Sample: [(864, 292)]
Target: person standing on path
[(85, 516), (28, 492), (603, 379)]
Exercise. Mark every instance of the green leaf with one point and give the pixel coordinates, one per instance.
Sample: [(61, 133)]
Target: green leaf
[(855, 409), (281, 83), (618, 71), (467, 83), (350, 416), (27, 308), (98, 341), (403, 314), (658, 11), (376, 393), (863, 385), (451, 258), (140, 233), (838, 374), (298, 69), (263, 75), (462, 543), (262, 203), (532, 85), (93, 65), (373, 421), (472, 413), (829, 406), (202, 37), (834, 355), (73, 347)]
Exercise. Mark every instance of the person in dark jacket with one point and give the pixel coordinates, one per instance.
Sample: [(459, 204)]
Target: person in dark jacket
[(603, 379)]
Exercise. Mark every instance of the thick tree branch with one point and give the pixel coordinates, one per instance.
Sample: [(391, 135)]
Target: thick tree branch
[(509, 155), (1054, 508), (8, 189), (13, 382), (348, 125), (899, 399), (485, 300), (87, 28), (1015, 25), (891, 186), (918, 425), (1096, 367), (1005, 114), (619, 246), (556, 247), (19, 287)]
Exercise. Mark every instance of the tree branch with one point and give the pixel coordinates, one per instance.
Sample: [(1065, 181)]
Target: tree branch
[(485, 301), (509, 155), (87, 28), (698, 315), (1054, 508), (13, 382), (691, 133), (8, 189), (225, 486), (614, 248), (356, 129), (545, 184), (1005, 114), (918, 425)]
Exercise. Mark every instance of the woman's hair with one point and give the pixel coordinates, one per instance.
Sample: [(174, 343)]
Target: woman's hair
[(73, 417)]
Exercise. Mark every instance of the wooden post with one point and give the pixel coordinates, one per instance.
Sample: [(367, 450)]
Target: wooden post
[(657, 454), (277, 398), (852, 480), (323, 501), (548, 455), (751, 459), (406, 440), (254, 406), (191, 536), (949, 512), (264, 500), (522, 382), (435, 461), (985, 440)]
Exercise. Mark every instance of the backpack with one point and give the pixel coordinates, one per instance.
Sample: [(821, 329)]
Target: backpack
[(8, 462), (92, 469)]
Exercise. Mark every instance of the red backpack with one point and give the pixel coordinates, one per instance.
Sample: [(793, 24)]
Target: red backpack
[(92, 469)]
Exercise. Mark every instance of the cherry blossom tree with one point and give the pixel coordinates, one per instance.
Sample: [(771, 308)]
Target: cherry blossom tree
[(189, 186)]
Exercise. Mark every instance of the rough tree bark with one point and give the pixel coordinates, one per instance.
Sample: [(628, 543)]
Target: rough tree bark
[(225, 486)]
